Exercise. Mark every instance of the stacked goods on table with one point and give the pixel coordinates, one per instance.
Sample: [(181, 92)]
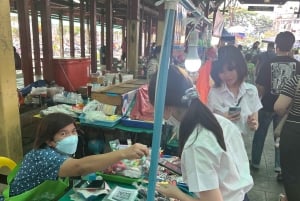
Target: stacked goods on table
[(120, 95), (141, 113), (126, 171), (62, 108), (93, 113), (99, 114)]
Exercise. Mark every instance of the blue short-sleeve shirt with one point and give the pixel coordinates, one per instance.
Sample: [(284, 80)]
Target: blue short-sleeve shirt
[(37, 166)]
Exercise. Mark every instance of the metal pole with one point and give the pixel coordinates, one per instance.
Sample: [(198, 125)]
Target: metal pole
[(191, 7), (161, 84)]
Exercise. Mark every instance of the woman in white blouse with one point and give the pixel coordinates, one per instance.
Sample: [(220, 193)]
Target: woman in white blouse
[(214, 161), (230, 91)]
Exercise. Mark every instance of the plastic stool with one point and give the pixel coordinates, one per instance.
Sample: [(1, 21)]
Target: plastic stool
[(7, 162)]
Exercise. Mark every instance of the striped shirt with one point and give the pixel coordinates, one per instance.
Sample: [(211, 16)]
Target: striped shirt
[(289, 90)]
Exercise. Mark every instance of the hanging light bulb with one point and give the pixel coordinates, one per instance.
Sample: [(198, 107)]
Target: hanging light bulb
[(192, 61)]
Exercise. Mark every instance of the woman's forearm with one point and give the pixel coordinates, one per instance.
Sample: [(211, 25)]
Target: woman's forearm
[(93, 163)]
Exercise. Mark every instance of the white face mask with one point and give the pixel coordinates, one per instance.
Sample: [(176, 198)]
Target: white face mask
[(175, 123), (68, 145)]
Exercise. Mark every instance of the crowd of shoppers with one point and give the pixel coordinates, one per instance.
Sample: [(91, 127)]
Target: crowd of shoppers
[(274, 70), (270, 80), (229, 72)]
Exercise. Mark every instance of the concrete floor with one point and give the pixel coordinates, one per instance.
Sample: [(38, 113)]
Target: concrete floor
[(266, 187)]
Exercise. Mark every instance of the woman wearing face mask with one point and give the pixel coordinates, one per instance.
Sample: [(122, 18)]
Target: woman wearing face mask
[(214, 162), (230, 91), (56, 140)]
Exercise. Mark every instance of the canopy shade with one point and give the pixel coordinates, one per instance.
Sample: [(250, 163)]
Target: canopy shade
[(226, 36)]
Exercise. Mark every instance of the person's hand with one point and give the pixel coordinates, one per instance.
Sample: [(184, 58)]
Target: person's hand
[(168, 190), (232, 116), (252, 122), (136, 151)]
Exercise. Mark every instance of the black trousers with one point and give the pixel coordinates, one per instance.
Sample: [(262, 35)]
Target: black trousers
[(246, 198), (290, 160)]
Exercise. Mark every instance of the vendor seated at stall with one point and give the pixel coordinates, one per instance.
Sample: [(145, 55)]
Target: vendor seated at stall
[(51, 158)]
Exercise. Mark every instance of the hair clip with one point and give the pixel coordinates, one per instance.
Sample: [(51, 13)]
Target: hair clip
[(189, 95)]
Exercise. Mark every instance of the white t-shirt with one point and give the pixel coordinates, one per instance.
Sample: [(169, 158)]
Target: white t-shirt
[(221, 98), (206, 166)]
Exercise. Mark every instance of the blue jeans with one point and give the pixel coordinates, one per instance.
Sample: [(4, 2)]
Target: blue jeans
[(264, 118)]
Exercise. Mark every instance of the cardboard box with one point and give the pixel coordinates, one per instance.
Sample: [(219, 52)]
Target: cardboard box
[(120, 95), (98, 80)]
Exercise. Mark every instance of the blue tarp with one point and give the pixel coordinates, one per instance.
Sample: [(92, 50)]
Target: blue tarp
[(226, 36)]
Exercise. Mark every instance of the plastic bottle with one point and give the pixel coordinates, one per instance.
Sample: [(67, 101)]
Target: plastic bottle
[(79, 99)]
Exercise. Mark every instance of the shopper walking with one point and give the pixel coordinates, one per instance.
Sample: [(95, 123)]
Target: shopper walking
[(18, 62), (254, 51), (153, 62), (271, 78), (289, 102), (124, 50), (264, 57), (231, 91)]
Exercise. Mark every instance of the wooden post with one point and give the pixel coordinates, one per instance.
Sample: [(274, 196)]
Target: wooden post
[(36, 38), (10, 131), (160, 25), (25, 39), (61, 37), (82, 28), (133, 25), (71, 21), (93, 36), (109, 35), (48, 71)]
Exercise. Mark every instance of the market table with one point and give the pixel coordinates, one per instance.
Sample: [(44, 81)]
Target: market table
[(121, 186), (118, 126), (66, 196)]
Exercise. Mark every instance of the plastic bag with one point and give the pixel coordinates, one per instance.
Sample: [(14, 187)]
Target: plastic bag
[(47, 191), (142, 110)]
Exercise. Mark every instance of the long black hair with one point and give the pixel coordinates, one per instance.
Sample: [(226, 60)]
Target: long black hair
[(197, 113)]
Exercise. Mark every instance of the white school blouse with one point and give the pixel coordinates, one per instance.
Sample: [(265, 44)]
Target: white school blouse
[(221, 98), (206, 166)]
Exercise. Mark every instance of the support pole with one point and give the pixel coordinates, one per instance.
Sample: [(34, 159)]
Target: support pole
[(191, 7), (10, 129), (159, 104)]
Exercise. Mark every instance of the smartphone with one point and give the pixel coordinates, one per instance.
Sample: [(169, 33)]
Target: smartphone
[(234, 110), (90, 185), (176, 168)]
